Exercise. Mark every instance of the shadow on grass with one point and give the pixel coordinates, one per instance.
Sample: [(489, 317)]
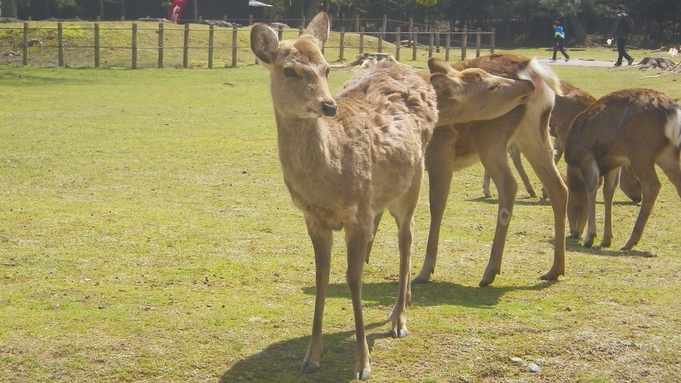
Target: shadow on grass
[(281, 361), (430, 294), (575, 244)]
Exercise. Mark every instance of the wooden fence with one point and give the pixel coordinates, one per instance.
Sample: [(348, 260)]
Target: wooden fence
[(444, 44)]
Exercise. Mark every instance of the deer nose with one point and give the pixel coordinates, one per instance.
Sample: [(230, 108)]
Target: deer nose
[(329, 109)]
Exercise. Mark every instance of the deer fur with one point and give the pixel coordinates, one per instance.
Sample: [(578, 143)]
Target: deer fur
[(462, 140), (347, 159), (567, 107), (636, 127)]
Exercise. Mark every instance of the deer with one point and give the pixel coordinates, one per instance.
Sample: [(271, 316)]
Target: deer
[(462, 139), (346, 159), (573, 101), (637, 127)]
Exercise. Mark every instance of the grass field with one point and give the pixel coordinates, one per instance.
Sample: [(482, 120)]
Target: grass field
[(146, 235)]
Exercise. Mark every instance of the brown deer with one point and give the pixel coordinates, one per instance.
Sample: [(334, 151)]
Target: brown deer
[(637, 127), (346, 160), (567, 106), (461, 140)]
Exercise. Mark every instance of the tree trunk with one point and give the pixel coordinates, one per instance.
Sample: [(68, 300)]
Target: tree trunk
[(196, 11), (579, 32), (122, 9)]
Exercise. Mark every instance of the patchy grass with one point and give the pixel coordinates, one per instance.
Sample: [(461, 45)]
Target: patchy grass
[(146, 235)]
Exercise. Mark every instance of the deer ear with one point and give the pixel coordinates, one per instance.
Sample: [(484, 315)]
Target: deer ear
[(319, 28), (438, 66), (264, 43), (446, 87)]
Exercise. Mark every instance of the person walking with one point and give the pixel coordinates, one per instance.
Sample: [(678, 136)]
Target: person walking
[(621, 30), (559, 35)]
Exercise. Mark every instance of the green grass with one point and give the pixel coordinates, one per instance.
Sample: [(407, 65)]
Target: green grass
[(146, 235)]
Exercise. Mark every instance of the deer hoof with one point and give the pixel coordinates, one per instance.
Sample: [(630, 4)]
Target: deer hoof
[(399, 333), (363, 375), (309, 367)]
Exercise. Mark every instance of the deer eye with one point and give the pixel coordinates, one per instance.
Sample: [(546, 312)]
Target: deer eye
[(327, 72), (290, 72), (493, 88)]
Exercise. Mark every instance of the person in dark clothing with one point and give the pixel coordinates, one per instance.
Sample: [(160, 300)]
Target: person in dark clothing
[(621, 36), (559, 34)]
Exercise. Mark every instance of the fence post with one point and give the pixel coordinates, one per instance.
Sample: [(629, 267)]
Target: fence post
[(60, 42), (380, 40), (356, 23), (492, 38), (280, 32), (398, 43), (160, 45), (97, 45), (25, 58), (431, 37), (478, 37), (235, 46), (250, 19), (211, 36), (185, 55), (361, 40), (385, 22), (414, 43), (464, 42), (301, 30), (448, 41), (437, 39), (342, 43), (134, 45)]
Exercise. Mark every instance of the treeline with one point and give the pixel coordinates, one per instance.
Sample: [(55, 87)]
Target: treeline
[(516, 22)]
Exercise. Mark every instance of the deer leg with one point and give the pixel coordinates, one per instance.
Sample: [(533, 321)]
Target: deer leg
[(536, 147), (322, 241), (485, 184), (591, 175), (403, 211), (514, 151), (557, 154), (440, 164), (496, 164), (669, 163), (377, 221), (610, 182), (357, 237)]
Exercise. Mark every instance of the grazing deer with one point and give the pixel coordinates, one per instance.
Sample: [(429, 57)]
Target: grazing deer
[(461, 140), (347, 159), (567, 107), (637, 127)]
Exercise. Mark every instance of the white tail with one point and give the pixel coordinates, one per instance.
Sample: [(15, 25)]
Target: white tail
[(637, 127), (456, 146), (346, 160)]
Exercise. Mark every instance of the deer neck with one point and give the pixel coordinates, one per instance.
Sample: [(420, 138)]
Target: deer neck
[(303, 144)]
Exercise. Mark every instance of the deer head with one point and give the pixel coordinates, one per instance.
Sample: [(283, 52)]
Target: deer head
[(298, 70)]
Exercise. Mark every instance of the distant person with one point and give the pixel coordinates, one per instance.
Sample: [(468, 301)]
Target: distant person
[(621, 31), (559, 34)]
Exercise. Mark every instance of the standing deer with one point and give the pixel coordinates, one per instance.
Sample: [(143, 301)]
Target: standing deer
[(346, 160), (461, 140), (637, 127)]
